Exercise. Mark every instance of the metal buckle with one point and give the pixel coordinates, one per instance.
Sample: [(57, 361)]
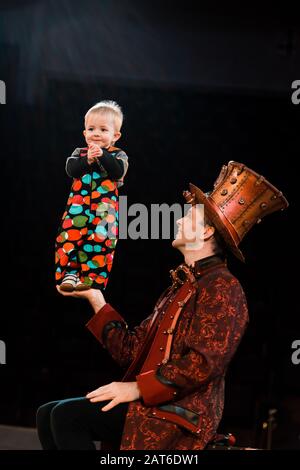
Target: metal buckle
[(182, 274)]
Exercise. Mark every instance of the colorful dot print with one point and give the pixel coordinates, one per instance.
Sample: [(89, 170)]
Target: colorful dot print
[(88, 233)]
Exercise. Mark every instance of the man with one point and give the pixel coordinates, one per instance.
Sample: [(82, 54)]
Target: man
[(172, 394)]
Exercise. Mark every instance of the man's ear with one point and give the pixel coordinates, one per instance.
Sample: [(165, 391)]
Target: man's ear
[(209, 231), (117, 135)]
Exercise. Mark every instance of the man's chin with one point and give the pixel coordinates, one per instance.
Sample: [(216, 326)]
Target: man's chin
[(184, 245), (178, 242)]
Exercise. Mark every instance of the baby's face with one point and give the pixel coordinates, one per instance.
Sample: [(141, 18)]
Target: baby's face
[(100, 130)]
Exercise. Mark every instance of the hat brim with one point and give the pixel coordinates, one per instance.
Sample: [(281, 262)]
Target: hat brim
[(217, 218)]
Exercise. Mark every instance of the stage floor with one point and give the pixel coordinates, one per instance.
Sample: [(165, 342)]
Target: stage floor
[(18, 438)]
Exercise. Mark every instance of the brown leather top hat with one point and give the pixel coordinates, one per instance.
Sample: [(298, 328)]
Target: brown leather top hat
[(239, 200)]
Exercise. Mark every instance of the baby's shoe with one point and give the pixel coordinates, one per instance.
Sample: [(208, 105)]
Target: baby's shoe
[(69, 282), (81, 285)]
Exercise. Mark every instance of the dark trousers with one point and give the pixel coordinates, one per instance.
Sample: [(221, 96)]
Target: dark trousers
[(75, 423)]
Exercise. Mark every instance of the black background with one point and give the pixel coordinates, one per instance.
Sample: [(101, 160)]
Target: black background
[(202, 87)]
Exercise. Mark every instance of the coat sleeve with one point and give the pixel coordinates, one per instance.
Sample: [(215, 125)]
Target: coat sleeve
[(111, 330), (217, 325)]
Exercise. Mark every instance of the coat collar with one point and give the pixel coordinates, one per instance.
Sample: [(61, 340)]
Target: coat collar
[(202, 265), (185, 273)]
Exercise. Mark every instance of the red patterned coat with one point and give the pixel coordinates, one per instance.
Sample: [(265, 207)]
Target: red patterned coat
[(179, 356)]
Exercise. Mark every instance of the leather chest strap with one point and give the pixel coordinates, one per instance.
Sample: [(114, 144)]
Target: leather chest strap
[(160, 349)]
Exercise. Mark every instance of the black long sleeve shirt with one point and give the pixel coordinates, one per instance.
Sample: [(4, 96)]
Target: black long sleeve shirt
[(114, 165)]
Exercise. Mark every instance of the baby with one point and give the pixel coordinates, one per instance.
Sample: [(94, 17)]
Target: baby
[(88, 232)]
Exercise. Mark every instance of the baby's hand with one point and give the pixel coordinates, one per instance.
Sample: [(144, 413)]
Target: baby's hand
[(94, 152)]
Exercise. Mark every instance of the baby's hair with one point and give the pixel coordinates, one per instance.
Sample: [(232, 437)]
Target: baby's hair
[(108, 107)]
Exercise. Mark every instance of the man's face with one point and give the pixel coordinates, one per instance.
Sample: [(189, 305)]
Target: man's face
[(190, 230)]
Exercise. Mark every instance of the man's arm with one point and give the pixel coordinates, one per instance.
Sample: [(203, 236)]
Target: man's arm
[(116, 392), (214, 334), (215, 331), (110, 329)]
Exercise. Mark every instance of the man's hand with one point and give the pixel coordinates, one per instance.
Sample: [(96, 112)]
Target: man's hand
[(94, 296), (117, 392), (94, 152)]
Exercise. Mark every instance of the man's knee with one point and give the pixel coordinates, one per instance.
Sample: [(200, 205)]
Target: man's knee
[(44, 412), (64, 413)]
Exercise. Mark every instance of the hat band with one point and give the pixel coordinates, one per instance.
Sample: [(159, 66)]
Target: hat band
[(230, 228)]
